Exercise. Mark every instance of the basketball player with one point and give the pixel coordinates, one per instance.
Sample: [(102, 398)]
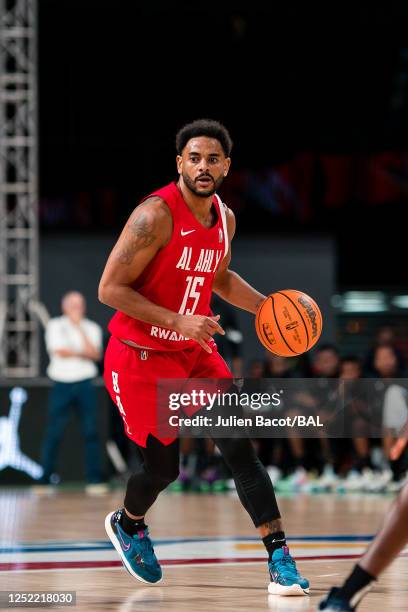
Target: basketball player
[(389, 542), (173, 252)]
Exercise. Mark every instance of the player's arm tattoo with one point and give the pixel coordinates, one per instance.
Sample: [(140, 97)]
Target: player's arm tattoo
[(141, 232)]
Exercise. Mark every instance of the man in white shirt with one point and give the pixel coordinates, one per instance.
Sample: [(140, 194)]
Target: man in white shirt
[(74, 344)]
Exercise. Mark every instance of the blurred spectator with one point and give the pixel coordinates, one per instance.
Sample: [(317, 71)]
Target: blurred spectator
[(388, 407), (395, 415), (326, 361), (369, 409), (256, 369), (385, 337), (326, 366), (277, 367), (318, 453), (387, 363), (274, 452), (74, 345), (351, 368), (357, 423)]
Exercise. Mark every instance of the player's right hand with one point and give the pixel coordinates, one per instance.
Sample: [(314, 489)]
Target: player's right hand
[(198, 328)]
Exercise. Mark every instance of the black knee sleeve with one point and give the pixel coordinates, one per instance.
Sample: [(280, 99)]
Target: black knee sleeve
[(254, 487), (144, 486)]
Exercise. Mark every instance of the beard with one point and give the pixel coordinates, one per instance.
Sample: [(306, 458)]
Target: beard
[(202, 194)]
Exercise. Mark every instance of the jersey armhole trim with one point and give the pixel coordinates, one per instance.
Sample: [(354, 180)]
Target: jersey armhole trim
[(221, 207)]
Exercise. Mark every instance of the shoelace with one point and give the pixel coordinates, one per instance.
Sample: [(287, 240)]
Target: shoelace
[(146, 546), (289, 562)]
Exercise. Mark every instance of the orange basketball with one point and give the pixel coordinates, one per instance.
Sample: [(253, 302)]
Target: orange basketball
[(288, 323)]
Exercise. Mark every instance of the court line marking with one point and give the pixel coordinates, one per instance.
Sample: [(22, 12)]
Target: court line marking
[(78, 565), (342, 541), (120, 567), (74, 545), (68, 565)]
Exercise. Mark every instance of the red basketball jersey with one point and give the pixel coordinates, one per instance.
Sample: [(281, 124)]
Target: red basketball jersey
[(180, 276)]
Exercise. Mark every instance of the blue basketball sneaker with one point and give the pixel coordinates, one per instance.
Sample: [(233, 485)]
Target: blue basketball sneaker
[(285, 578), (334, 603), (136, 551)]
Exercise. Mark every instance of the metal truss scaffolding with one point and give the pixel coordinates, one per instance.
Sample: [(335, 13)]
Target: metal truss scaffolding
[(19, 331)]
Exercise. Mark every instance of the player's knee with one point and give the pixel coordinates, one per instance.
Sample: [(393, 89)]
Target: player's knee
[(238, 453), (163, 477), (171, 474)]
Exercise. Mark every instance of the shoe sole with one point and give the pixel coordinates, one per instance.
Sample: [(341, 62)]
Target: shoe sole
[(118, 548), (295, 590)]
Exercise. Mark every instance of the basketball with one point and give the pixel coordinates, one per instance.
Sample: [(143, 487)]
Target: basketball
[(288, 323)]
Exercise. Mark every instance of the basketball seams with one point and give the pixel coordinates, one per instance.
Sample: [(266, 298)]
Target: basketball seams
[(279, 329), (268, 335), (257, 323), (261, 334), (300, 314), (318, 312)]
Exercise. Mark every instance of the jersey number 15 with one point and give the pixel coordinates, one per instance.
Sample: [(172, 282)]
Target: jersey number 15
[(193, 282)]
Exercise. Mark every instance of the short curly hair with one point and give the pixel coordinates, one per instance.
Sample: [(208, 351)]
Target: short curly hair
[(204, 127)]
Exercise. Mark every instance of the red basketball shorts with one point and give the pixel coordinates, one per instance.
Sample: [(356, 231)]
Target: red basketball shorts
[(131, 376)]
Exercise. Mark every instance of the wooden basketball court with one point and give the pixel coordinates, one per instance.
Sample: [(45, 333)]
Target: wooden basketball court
[(212, 558)]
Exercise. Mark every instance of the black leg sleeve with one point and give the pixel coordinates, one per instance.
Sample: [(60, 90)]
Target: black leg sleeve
[(254, 487), (159, 468)]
